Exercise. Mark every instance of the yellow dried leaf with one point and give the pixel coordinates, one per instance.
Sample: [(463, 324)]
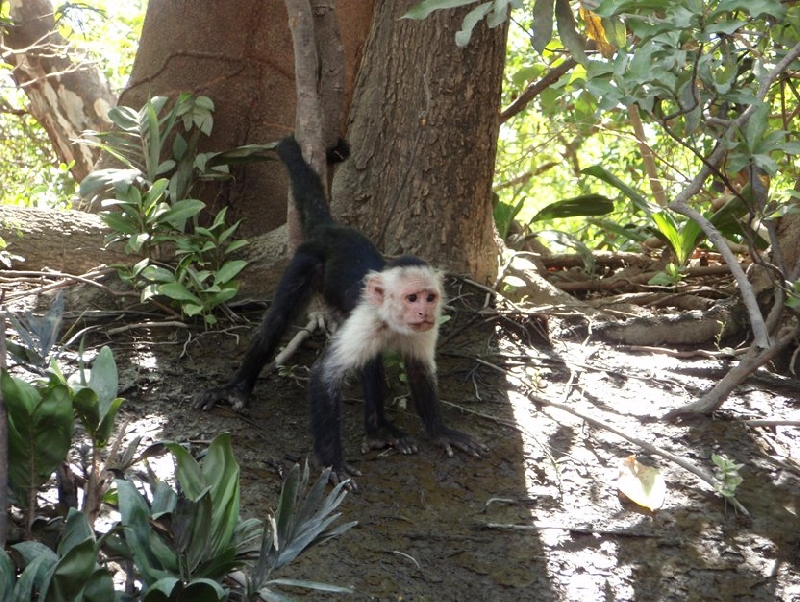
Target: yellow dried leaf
[(641, 484), (595, 31)]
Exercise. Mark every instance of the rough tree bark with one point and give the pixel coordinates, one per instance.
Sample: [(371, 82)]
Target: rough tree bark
[(66, 96), (240, 55), (77, 247), (423, 129)]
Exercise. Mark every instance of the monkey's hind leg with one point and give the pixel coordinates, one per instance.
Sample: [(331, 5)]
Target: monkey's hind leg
[(298, 282), (380, 432)]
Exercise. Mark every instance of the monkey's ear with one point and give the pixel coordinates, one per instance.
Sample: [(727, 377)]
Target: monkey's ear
[(375, 289)]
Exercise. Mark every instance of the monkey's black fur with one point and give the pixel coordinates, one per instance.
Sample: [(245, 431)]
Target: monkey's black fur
[(335, 260)]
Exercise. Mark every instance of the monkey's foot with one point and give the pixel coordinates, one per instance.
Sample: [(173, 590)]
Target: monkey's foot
[(344, 474), (450, 438), (400, 441), (230, 394)]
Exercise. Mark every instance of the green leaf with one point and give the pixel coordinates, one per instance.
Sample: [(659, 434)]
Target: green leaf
[(173, 590), (183, 210), (125, 117), (241, 154), (542, 17), (470, 21), (423, 9), (682, 239), (103, 378), (315, 585), (135, 518), (568, 31), (229, 271), (598, 171), (77, 564), (586, 204), (39, 559), (40, 426), (151, 138), (236, 245), (178, 292), (221, 470), (157, 273)]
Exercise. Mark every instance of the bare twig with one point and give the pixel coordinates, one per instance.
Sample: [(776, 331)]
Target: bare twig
[(711, 164), (128, 327), (3, 432), (63, 279)]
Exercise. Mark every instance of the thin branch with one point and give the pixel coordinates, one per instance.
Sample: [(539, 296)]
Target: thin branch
[(535, 88), (3, 433), (711, 164)]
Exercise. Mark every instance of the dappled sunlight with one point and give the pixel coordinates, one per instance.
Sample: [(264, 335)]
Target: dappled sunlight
[(595, 541)]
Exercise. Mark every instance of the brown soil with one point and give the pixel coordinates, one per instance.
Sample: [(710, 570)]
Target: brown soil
[(540, 517)]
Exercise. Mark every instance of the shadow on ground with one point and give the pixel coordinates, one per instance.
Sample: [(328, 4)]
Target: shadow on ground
[(539, 518)]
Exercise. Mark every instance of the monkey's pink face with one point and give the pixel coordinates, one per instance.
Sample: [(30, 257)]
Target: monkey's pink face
[(420, 308)]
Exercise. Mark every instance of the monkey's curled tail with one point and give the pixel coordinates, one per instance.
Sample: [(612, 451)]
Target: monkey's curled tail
[(307, 188)]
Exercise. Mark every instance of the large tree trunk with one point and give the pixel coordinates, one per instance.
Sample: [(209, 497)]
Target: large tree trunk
[(66, 96), (65, 241), (240, 55), (423, 130)]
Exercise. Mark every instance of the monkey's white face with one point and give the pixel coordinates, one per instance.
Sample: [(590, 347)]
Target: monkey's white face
[(406, 299), (420, 304)]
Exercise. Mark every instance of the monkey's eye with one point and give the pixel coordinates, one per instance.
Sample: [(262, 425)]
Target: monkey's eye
[(412, 298), (431, 297)]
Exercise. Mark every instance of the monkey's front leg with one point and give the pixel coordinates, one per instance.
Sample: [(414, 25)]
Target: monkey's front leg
[(324, 393), (422, 384), (380, 431)]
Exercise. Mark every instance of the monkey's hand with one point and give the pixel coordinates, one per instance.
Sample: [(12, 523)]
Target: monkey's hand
[(231, 393), (449, 438)]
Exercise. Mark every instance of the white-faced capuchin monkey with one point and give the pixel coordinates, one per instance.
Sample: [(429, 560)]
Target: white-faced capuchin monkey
[(394, 305)]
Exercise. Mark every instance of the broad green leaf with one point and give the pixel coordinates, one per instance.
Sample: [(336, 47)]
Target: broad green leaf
[(568, 32), (229, 271), (40, 426), (423, 9), (542, 16), (470, 20), (157, 273), (183, 210), (587, 204), (138, 532), (34, 577), (178, 292)]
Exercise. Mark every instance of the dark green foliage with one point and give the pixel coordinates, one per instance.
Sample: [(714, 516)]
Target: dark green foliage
[(152, 211), (70, 574)]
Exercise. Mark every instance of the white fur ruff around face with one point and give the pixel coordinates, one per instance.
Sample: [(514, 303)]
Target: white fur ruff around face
[(399, 310)]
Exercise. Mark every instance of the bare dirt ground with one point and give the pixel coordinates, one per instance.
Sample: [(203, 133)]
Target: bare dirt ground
[(539, 518)]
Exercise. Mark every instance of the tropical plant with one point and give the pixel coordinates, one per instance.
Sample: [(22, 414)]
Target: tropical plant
[(40, 427), (201, 538), (42, 414), (71, 573), (303, 518), (152, 211), (37, 335)]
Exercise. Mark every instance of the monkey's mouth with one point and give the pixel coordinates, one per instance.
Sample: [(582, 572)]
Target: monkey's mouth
[(422, 326)]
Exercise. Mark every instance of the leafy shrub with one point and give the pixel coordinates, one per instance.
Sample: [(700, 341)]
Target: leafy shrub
[(152, 211)]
